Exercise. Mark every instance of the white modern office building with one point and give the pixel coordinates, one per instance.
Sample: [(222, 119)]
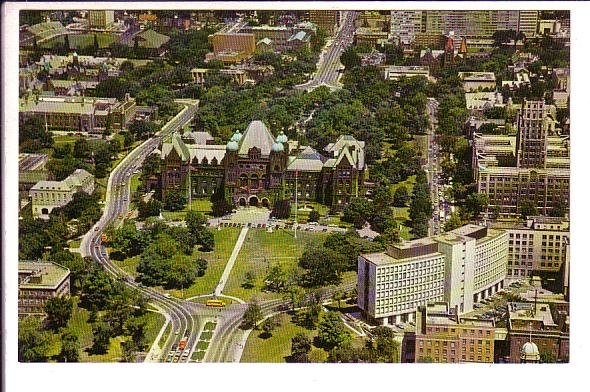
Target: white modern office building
[(47, 195), (461, 267)]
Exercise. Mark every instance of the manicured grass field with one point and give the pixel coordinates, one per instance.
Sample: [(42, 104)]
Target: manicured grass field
[(206, 335), (202, 205), (210, 326), (165, 335), (225, 240), (262, 250), (201, 345), (276, 347), (74, 243), (135, 182), (129, 265)]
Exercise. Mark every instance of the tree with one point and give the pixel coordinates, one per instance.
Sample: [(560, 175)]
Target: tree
[(101, 338), (276, 279), (96, 289), (67, 43), (400, 196), (33, 342), (357, 212), (136, 328), (32, 135), (331, 331), (201, 266), (385, 347), (454, 222), (220, 206), (249, 279), (82, 149), (70, 347), (175, 200), (559, 209), (309, 317), (475, 203), (314, 216), (269, 325), (300, 347), (129, 351), (338, 296), (59, 312), (252, 316), (349, 58), (281, 209), (317, 356), (323, 266), (527, 208), (547, 357)]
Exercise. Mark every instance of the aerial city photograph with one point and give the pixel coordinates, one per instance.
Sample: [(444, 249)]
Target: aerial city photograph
[(292, 186)]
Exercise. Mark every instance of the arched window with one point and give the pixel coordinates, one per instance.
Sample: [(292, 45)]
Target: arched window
[(243, 180), (254, 183)]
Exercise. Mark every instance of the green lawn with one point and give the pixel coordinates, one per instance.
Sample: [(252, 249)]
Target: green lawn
[(303, 216), (201, 345), (261, 250), (129, 265), (135, 182), (198, 355), (202, 205), (74, 243), (64, 139), (276, 347), (78, 41), (206, 335), (165, 335), (210, 326), (225, 239), (80, 325)]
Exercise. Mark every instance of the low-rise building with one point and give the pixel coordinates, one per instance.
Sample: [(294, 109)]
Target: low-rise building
[(545, 325), (393, 72), (521, 78), (47, 195), (444, 337), (482, 101), (370, 36), (31, 170), (461, 267), (37, 283), (86, 114), (473, 81)]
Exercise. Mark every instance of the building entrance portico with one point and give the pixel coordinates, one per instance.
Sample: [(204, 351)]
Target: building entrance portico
[(253, 201)]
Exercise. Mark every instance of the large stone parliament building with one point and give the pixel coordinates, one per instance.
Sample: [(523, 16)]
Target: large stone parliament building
[(257, 169)]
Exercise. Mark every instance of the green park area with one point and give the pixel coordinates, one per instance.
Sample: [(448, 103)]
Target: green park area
[(225, 239), (260, 252), (80, 325), (81, 41), (202, 205)]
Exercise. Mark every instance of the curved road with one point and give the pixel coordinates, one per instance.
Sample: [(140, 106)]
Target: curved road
[(117, 204)]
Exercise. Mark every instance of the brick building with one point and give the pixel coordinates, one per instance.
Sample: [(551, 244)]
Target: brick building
[(38, 282)]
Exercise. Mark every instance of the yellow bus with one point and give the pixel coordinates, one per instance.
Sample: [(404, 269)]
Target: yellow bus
[(217, 303)]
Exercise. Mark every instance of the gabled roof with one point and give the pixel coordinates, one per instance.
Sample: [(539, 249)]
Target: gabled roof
[(256, 135), (336, 149), (308, 160)]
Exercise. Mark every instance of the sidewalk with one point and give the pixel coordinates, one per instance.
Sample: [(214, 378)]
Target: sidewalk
[(231, 261)]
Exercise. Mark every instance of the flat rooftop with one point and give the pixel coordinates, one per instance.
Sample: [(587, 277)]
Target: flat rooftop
[(525, 311), (382, 258), (51, 274)]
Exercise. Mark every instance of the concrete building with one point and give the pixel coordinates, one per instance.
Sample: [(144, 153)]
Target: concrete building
[(101, 19), (31, 170), (461, 267), (533, 166), (474, 81), (545, 325), (536, 247), (86, 114), (370, 36), (393, 72), (442, 336), (232, 47), (528, 22), (482, 101), (47, 195), (37, 283), (325, 19), (404, 27)]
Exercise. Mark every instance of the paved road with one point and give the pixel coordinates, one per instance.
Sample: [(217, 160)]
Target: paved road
[(329, 64), (432, 168), (117, 204)]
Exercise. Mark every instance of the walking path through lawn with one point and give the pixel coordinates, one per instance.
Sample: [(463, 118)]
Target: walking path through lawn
[(231, 261)]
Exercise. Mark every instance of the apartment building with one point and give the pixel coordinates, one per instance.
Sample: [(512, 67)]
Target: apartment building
[(325, 19), (538, 246), (37, 283), (404, 26), (460, 267), (442, 336), (101, 18), (47, 195), (528, 22)]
